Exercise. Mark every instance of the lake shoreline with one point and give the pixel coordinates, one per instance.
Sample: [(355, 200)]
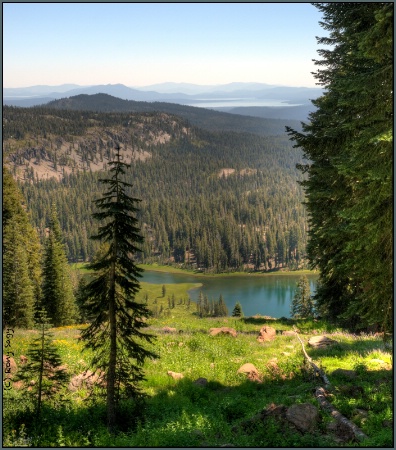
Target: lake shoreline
[(176, 270)]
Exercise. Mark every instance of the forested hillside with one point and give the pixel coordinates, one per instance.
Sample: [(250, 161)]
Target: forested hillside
[(201, 117), (212, 200)]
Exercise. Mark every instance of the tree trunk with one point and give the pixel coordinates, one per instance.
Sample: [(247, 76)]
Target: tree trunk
[(40, 382), (111, 374)]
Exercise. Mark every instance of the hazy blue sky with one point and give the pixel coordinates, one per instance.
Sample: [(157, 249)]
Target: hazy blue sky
[(139, 44)]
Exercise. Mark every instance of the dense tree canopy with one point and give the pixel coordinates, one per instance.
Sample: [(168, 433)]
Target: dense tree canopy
[(349, 144), (217, 201)]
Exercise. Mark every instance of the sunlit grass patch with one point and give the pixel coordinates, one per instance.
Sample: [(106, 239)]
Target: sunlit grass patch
[(177, 413)]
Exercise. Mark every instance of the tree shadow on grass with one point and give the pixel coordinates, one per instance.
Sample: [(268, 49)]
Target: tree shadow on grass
[(341, 349), (186, 414), (181, 414)]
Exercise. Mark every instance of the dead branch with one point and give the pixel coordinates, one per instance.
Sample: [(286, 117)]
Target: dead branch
[(321, 396), (317, 369)]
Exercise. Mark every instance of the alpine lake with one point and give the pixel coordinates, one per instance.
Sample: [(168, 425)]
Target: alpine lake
[(266, 295)]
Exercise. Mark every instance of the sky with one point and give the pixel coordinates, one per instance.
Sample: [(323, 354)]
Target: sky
[(139, 44)]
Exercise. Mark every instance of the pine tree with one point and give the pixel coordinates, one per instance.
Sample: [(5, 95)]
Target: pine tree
[(223, 311), (115, 334), (44, 364), (302, 305), (237, 311), (348, 143), (200, 304), (21, 259), (58, 298), (18, 289)]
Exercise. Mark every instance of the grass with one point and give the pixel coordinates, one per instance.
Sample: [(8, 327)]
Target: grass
[(183, 414), (82, 267), (172, 269)]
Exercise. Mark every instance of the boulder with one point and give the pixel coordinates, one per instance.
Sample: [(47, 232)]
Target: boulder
[(175, 375), (342, 432), (321, 342), (266, 334), (251, 372), (247, 368), (223, 330), (303, 416), (278, 412)]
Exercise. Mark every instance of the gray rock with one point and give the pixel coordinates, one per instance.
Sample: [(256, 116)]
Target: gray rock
[(321, 342), (304, 416), (342, 432)]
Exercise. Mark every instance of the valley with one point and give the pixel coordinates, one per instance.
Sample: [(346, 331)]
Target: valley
[(211, 199)]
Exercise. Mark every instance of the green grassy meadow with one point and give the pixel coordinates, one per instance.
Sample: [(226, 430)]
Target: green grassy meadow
[(180, 413)]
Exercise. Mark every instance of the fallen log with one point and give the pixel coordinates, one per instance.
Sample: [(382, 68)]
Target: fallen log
[(320, 395)]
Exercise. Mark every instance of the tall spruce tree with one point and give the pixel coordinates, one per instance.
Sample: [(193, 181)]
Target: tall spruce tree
[(58, 298), (348, 143), (115, 334)]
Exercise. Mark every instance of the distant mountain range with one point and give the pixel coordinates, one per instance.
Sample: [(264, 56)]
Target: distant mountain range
[(253, 99)]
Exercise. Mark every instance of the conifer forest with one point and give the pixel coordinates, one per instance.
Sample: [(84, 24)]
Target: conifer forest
[(95, 188)]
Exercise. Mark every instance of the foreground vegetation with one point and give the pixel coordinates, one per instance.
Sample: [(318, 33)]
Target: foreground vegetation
[(180, 413)]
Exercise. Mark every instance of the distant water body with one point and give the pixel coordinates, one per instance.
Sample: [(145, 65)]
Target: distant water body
[(238, 102), (268, 295)]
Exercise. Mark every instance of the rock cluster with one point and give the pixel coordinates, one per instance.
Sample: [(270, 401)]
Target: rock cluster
[(304, 417)]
